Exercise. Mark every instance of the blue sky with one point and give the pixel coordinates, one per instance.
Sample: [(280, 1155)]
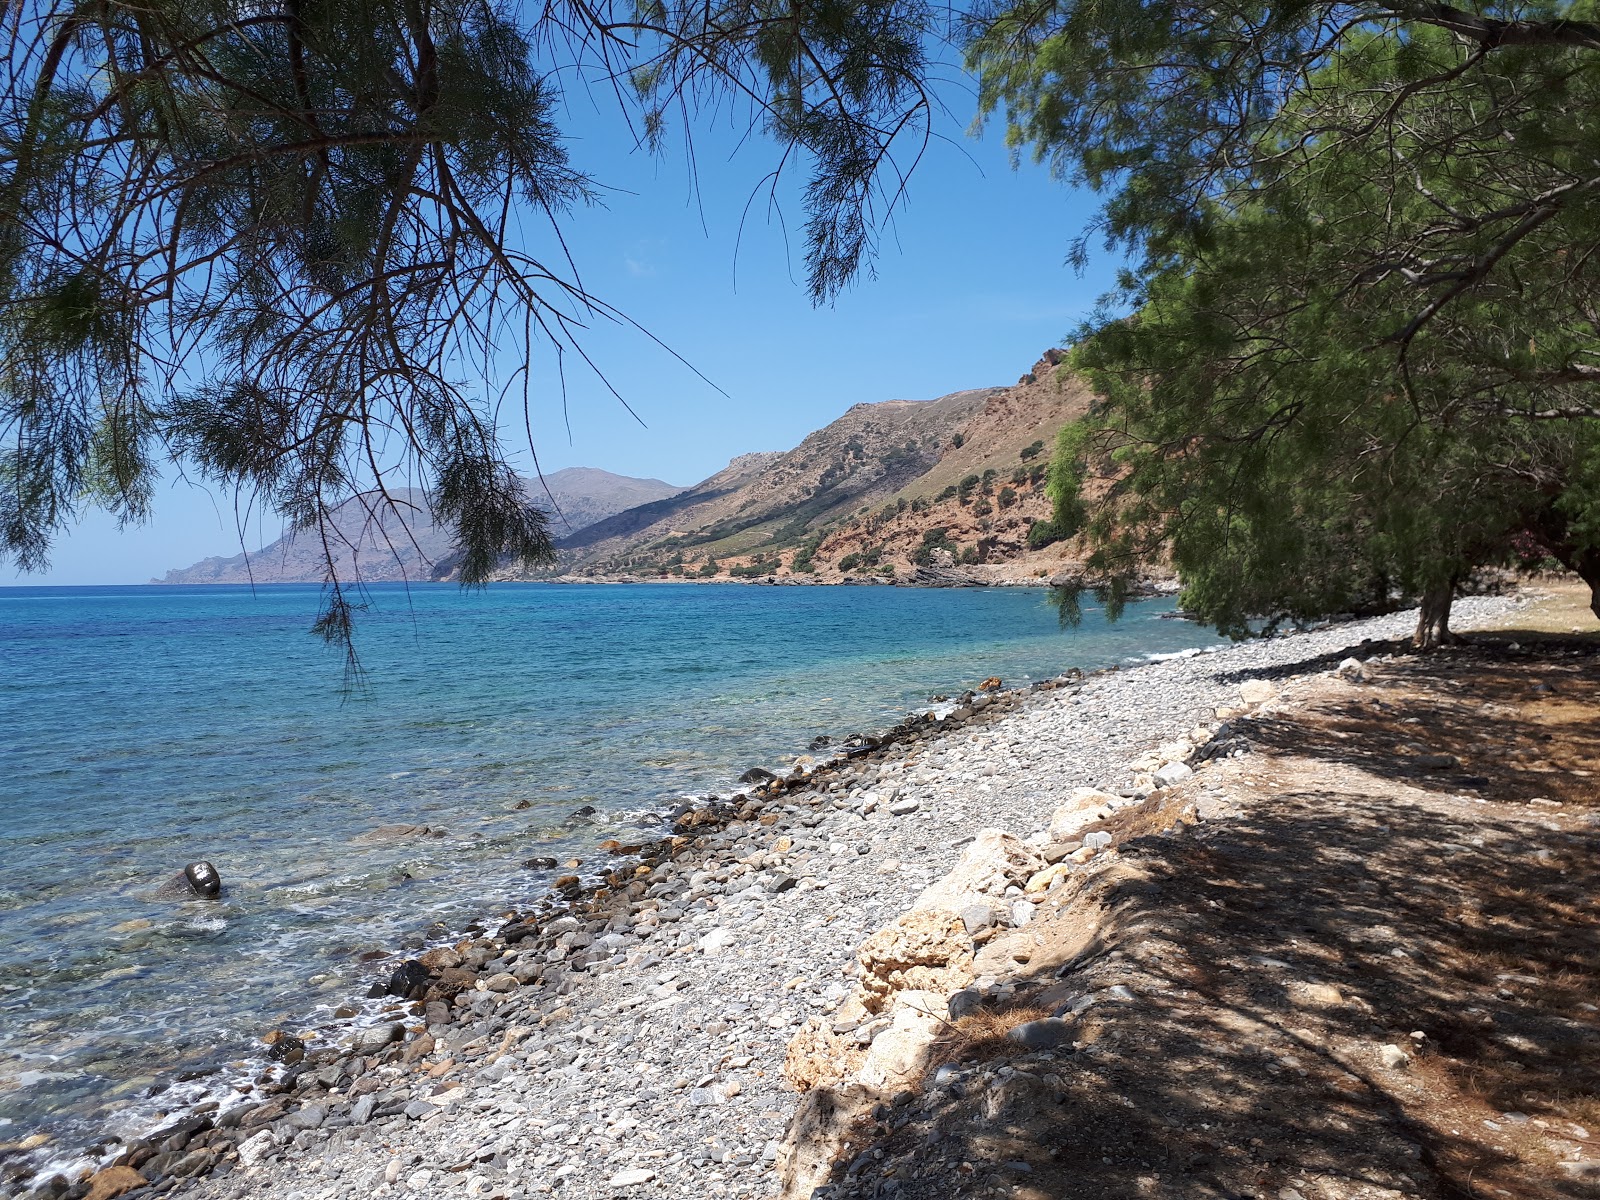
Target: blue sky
[(971, 286)]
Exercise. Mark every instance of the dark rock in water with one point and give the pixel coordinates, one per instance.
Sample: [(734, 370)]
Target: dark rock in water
[(409, 981), (860, 743), (583, 813), (396, 833), (540, 864), (820, 743), (757, 775), (287, 1049), (197, 880)]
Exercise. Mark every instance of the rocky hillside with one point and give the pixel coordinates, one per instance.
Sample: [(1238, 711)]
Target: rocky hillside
[(378, 546), (888, 490)]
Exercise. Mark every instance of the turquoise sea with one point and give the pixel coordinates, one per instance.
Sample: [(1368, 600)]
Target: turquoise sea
[(145, 727)]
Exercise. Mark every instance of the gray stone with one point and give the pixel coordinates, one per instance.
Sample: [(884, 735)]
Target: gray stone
[(361, 1112), (418, 1109), (1098, 840), (309, 1117), (1353, 669), (1392, 1057), (193, 1163), (1044, 1034), (963, 1002), (370, 1041), (905, 805), (256, 1147), (1172, 774), (502, 982), (1436, 762), (632, 1177), (977, 918)]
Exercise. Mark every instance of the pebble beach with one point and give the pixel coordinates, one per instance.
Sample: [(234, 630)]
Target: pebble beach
[(628, 1036)]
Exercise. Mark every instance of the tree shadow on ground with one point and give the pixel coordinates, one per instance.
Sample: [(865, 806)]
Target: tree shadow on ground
[(1481, 720), (1268, 961)]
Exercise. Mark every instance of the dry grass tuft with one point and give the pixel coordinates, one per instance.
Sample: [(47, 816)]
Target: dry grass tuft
[(981, 1034)]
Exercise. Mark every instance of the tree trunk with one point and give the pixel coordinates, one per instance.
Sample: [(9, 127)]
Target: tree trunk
[(1587, 565), (1584, 563), (1433, 622)]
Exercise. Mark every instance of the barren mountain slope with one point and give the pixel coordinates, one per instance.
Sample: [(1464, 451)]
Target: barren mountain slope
[(882, 491), (867, 455)]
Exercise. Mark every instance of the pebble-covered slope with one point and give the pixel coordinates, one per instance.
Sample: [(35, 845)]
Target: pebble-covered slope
[(656, 1069)]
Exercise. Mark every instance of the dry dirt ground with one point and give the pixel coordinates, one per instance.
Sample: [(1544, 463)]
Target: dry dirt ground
[(1369, 970)]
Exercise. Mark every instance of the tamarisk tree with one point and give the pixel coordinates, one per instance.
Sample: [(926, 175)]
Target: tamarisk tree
[(1275, 415), (308, 248)]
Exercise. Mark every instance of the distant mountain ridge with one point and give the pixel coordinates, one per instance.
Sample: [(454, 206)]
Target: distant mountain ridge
[(374, 544), (944, 490)]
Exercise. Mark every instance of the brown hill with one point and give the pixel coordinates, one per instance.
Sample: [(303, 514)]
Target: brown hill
[(885, 490)]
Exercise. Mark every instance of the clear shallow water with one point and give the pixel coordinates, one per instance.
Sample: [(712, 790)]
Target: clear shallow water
[(142, 728)]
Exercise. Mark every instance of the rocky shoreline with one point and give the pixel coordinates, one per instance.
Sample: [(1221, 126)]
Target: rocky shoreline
[(629, 1035)]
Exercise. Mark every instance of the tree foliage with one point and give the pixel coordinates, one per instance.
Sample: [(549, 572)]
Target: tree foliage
[(310, 248), (1281, 418), (1182, 111)]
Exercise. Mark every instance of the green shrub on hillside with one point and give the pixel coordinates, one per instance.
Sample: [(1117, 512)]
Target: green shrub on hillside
[(1032, 451), (937, 538), (762, 564), (1007, 497), (1042, 534), (803, 557)]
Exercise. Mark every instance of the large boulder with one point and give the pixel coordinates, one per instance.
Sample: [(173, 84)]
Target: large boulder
[(897, 1055), (993, 862), (924, 950)]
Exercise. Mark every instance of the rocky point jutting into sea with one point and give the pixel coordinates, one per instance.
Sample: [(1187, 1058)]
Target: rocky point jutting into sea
[(644, 1032)]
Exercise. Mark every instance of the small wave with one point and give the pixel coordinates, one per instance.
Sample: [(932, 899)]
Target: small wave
[(1156, 656)]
